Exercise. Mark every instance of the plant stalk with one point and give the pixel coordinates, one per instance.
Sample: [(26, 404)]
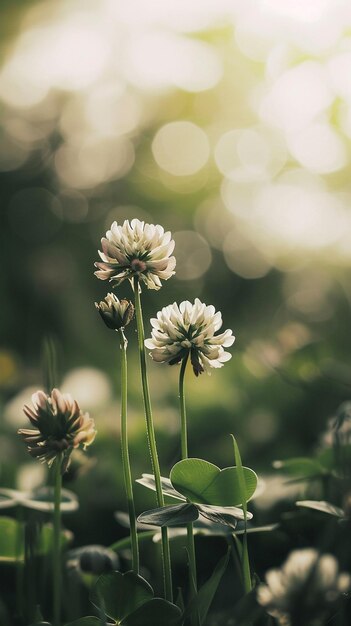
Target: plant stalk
[(166, 557), (56, 571), (125, 453), (244, 553), (184, 451)]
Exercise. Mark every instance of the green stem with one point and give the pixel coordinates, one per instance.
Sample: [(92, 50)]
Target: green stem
[(183, 433), (246, 563), (125, 453), (56, 571), (184, 449), (19, 564), (244, 556), (166, 557), (124, 543)]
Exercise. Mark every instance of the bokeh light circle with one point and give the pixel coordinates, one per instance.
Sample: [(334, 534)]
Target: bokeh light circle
[(193, 255), (181, 148)]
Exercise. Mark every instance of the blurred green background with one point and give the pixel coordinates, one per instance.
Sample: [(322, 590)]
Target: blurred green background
[(229, 124)]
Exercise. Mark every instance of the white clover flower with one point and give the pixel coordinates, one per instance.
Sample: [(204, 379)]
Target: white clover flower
[(136, 249), (189, 329), (304, 588)]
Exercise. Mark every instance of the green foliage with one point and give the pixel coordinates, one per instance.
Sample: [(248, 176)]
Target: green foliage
[(200, 604), (333, 458), (241, 477), (148, 481), (322, 507), (244, 552), (174, 515), (300, 466), (182, 514), (85, 621), (128, 600), (12, 540), (156, 612), (118, 594), (228, 515), (204, 483)]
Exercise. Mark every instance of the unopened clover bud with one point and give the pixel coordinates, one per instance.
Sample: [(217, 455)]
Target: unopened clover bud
[(97, 560), (116, 313), (59, 427)]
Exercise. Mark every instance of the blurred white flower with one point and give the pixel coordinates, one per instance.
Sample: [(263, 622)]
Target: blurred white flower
[(304, 588), (89, 386), (13, 409), (136, 249), (338, 430), (30, 476), (189, 329)]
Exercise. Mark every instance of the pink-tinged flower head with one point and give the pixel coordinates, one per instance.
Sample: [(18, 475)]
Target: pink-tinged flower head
[(189, 329), (59, 426), (136, 249)]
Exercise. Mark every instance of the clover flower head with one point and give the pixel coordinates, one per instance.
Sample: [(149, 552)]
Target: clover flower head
[(190, 329), (115, 313), (304, 588), (136, 249), (59, 427)]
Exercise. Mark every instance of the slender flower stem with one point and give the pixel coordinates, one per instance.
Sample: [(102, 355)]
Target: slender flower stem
[(56, 571), (125, 453), (166, 557), (246, 563), (244, 553), (184, 448), (183, 432), (19, 568)]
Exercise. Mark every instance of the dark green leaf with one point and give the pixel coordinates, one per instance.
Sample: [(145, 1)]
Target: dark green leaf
[(12, 540), (245, 555), (323, 507), (331, 458), (156, 612), (299, 466), (85, 621), (148, 480), (180, 600), (174, 515), (118, 595), (241, 477), (258, 529), (201, 603), (246, 611), (204, 483), (228, 515)]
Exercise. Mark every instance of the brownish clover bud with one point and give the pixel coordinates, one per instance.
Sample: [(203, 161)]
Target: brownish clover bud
[(59, 427), (115, 313)]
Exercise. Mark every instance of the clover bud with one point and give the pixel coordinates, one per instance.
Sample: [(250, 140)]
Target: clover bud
[(97, 560), (59, 427), (115, 313)]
